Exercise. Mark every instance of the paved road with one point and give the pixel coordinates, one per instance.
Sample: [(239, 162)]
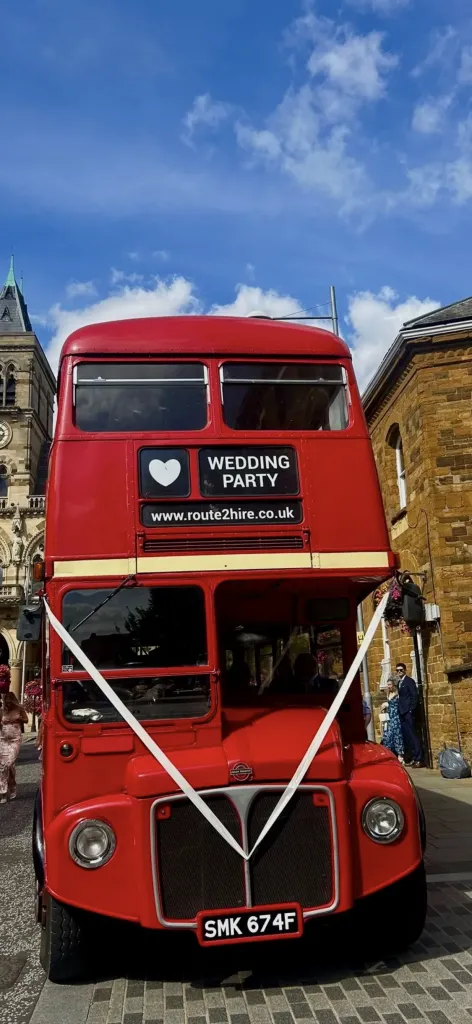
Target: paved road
[(283, 984), (21, 977)]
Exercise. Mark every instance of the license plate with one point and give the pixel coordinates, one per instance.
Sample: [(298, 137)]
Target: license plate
[(258, 923)]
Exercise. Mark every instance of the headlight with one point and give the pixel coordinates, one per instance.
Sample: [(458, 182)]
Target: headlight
[(92, 843), (382, 820)]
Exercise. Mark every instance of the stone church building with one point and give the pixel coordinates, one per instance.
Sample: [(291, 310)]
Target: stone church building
[(27, 388), (419, 411)]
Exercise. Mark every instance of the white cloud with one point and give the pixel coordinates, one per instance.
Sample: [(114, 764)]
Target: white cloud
[(249, 298), (133, 256), (161, 254), (425, 184), (121, 277), (76, 288), (297, 143), (380, 6), (459, 179), (428, 116), (310, 134), (204, 111), (442, 42), (373, 322), (464, 75), (164, 298), (174, 297), (355, 65), (40, 319), (453, 177)]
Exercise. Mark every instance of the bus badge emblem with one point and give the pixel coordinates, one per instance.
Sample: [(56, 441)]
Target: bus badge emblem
[(241, 772)]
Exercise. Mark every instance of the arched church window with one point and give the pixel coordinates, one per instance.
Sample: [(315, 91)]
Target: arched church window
[(6, 315), (394, 439), (10, 390), (3, 480)]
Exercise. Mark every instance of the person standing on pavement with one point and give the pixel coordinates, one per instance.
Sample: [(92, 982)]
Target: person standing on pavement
[(407, 701), (366, 711), (12, 718), (393, 735)]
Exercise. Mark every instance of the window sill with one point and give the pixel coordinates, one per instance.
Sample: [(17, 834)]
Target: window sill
[(457, 670), (398, 515)]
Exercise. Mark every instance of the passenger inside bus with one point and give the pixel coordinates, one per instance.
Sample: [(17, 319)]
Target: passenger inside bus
[(307, 677), (289, 643)]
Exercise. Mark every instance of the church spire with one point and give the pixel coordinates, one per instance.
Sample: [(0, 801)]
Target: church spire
[(14, 317), (10, 278)]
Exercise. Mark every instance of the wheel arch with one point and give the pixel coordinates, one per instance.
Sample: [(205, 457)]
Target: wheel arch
[(38, 840)]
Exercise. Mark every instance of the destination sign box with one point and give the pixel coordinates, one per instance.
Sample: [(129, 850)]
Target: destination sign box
[(222, 513), (240, 471)]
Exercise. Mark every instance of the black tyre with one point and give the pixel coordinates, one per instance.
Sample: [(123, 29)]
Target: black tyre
[(391, 920), (63, 941)]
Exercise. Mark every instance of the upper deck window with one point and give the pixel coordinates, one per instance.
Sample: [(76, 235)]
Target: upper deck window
[(140, 396), (284, 396)]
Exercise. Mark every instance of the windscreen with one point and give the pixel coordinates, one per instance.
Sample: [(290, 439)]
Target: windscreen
[(137, 627), (140, 396), (284, 396)]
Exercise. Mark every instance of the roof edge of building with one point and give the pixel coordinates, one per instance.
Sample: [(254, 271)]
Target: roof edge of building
[(391, 358)]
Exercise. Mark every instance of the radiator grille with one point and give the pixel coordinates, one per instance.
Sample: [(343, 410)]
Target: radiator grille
[(268, 543), (294, 862), (198, 870)]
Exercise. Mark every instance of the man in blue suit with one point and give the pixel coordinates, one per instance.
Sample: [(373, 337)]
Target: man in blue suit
[(408, 699)]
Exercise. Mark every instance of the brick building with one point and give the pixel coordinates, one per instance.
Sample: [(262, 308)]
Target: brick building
[(419, 411)]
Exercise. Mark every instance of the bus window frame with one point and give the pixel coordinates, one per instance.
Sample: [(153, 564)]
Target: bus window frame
[(60, 678), (306, 433), (70, 406), (215, 426)]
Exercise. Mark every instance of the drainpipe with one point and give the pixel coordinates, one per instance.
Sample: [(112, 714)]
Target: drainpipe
[(365, 678)]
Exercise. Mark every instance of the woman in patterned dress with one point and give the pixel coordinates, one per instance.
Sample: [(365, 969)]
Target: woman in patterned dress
[(12, 716), (393, 736)]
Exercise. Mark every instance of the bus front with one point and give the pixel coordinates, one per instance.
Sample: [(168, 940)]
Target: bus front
[(213, 520)]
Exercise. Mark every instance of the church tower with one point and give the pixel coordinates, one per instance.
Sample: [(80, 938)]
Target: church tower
[(27, 388)]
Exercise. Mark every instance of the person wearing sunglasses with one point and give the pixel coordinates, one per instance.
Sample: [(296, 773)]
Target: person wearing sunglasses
[(407, 701)]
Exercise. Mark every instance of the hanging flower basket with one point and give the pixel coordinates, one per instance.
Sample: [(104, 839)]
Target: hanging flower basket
[(33, 701), (393, 611)]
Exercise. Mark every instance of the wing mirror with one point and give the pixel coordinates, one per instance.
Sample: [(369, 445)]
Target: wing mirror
[(29, 623)]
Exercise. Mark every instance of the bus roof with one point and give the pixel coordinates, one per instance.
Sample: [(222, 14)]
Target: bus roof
[(203, 335)]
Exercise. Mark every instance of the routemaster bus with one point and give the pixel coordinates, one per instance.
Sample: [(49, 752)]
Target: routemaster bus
[(213, 520)]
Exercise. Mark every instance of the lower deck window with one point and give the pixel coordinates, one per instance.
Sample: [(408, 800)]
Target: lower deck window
[(165, 697), (136, 627)]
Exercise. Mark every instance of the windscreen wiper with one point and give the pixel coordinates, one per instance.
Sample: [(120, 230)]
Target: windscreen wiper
[(125, 583)]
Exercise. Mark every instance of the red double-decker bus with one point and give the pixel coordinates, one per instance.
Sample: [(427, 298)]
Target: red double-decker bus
[(213, 521)]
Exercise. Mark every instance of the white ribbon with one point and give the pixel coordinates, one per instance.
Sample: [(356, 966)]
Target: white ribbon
[(174, 772)]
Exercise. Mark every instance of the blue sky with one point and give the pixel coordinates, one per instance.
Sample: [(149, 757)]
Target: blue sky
[(178, 157)]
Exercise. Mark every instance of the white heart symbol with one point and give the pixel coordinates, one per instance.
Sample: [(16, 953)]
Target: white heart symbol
[(165, 472)]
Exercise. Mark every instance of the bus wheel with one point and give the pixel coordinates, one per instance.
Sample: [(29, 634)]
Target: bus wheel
[(393, 919), (62, 952)]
